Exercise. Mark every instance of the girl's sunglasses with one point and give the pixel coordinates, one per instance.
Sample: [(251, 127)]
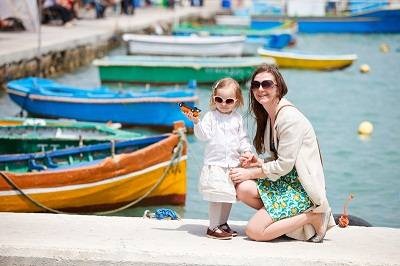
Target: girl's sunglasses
[(228, 101), (266, 84)]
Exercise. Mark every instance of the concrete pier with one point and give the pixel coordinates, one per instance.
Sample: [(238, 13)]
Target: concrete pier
[(49, 239), (64, 49)]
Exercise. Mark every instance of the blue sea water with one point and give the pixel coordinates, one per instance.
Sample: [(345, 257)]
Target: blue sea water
[(336, 103)]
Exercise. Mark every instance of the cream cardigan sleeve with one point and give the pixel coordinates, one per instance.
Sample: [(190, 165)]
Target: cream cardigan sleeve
[(290, 130)]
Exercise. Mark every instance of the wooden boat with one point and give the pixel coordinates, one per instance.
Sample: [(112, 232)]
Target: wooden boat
[(153, 107), (383, 20), (287, 27), (184, 45), (97, 177), (27, 135), (286, 59), (169, 69), (275, 37)]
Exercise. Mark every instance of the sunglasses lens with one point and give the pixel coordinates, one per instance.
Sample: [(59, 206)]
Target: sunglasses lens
[(218, 99), (266, 84), (229, 101), (255, 85)]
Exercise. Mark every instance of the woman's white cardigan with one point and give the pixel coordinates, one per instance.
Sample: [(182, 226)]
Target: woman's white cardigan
[(296, 144)]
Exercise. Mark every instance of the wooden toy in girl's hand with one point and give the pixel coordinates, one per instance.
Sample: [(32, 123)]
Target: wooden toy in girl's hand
[(186, 109)]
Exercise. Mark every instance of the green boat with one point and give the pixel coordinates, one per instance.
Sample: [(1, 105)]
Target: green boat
[(176, 69), (188, 28), (19, 135)]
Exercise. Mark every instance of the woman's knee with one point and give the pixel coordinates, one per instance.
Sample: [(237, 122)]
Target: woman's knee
[(251, 233), (246, 189), (257, 235)]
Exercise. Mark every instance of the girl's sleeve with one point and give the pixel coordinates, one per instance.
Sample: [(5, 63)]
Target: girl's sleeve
[(243, 138), (203, 129), (290, 134)]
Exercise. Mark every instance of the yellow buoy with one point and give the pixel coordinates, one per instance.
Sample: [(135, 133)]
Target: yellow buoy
[(384, 47), (365, 128), (364, 68)]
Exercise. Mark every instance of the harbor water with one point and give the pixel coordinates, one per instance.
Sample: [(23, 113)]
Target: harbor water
[(336, 103)]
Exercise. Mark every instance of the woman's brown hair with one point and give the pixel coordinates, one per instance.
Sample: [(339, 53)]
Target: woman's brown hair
[(257, 110)]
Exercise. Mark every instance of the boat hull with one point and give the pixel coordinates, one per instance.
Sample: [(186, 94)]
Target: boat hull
[(111, 182), (19, 135), (185, 45), (146, 108), (383, 21), (312, 62), (143, 114), (172, 70)]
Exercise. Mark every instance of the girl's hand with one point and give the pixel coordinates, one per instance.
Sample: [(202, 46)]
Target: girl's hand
[(191, 117), (248, 160), (238, 175), (245, 159)]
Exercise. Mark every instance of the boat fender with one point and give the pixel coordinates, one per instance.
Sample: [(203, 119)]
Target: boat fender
[(364, 68), (384, 48), (353, 220), (365, 128)]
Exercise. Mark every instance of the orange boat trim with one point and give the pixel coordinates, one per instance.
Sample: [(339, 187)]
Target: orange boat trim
[(80, 186)]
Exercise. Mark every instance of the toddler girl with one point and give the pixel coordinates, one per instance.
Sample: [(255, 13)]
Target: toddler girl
[(226, 139)]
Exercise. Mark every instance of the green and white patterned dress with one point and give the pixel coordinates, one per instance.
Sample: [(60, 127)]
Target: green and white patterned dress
[(284, 197)]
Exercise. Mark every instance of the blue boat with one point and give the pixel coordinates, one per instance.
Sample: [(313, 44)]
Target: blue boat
[(384, 20), (150, 107)]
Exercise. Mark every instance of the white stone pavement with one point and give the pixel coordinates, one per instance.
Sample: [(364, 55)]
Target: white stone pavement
[(49, 239), (16, 46)]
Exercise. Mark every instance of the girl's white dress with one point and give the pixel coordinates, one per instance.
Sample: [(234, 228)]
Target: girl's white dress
[(226, 139)]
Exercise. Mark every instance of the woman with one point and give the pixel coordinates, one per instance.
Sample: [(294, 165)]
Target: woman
[(288, 186)]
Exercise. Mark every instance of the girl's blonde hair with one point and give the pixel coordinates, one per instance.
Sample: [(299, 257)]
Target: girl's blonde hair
[(224, 83)]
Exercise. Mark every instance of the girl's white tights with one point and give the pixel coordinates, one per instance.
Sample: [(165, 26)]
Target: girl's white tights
[(218, 213)]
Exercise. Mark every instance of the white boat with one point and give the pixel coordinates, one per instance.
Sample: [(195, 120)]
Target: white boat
[(230, 20), (184, 45)]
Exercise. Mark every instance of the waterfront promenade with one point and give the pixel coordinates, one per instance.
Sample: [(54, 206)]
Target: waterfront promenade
[(54, 239), (87, 39)]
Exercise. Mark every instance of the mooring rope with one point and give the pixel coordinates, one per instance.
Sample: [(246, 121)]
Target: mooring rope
[(172, 166)]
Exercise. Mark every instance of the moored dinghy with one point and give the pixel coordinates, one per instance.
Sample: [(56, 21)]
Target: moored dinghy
[(184, 45), (26, 135), (134, 107), (275, 37), (287, 59), (176, 69), (375, 20), (97, 177)]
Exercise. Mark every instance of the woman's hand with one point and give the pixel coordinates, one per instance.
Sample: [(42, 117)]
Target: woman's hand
[(248, 160), (238, 175)]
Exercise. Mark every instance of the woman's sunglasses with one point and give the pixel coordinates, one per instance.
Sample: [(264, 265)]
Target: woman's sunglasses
[(266, 84), (228, 101)]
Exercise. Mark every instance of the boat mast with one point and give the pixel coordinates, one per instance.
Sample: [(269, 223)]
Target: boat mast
[(39, 46)]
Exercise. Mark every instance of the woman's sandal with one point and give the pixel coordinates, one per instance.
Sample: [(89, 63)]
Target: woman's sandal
[(325, 220)]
